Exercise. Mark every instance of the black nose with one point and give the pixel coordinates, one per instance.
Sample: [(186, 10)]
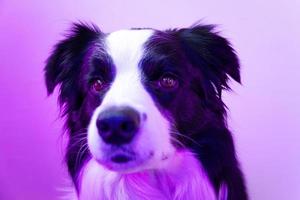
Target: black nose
[(118, 125)]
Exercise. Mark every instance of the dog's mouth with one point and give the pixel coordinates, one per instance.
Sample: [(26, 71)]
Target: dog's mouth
[(122, 160)]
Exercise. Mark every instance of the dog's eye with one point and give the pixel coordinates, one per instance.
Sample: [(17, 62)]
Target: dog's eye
[(168, 81), (97, 85)]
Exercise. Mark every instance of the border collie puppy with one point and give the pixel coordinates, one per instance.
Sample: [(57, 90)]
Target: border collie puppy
[(144, 113)]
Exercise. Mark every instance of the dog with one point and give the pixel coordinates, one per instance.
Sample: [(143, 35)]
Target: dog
[(144, 113)]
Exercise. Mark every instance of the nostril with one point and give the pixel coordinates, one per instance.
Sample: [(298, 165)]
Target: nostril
[(128, 126)]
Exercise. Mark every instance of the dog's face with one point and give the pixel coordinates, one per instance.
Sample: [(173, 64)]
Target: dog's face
[(136, 97), (127, 129)]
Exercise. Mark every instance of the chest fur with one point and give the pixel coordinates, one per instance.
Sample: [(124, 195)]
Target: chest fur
[(184, 178)]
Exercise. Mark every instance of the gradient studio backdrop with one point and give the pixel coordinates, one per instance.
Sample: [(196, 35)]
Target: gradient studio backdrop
[(264, 115)]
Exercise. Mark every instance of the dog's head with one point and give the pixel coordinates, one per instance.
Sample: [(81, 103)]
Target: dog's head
[(138, 96)]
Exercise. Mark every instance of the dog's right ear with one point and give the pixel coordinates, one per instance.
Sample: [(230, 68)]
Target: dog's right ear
[(67, 56), (207, 50)]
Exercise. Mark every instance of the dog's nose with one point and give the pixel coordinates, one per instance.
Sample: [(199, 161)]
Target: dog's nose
[(118, 125)]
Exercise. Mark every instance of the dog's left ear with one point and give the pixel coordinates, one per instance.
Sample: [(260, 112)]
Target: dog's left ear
[(206, 49)]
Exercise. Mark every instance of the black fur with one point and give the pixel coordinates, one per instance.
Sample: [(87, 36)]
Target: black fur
[(196, 106), (202, 61), (73, 64)]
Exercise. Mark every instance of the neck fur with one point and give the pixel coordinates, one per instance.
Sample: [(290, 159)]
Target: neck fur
[(183, 179)]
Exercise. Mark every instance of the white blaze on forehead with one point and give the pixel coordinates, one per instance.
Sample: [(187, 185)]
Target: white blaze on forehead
[(126, 50), (126, 47)]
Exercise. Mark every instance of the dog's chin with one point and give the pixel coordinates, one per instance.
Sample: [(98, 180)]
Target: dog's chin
[(124, 162)]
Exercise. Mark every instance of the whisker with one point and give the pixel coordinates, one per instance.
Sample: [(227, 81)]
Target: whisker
[(187, 137), (80, 153), (79, 134), (75, 143), (177, 141)]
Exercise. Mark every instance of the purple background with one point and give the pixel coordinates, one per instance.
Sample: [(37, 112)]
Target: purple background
[(265, 114)]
